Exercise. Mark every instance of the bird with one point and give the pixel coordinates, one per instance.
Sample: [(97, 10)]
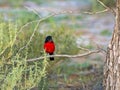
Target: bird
[(49, 46)]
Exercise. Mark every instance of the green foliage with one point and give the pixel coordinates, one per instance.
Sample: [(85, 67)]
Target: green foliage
[(71, 68), (109, 3), (18, 44), (20, 16), (96, 6), (74, 72), (105, 33), (64, 38), (16, 73), (7, 39), (18, 3)]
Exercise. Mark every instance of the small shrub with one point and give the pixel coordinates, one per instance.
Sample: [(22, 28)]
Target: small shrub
[(18, 45)]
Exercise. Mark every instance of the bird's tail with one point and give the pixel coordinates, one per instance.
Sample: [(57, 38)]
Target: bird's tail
[(51, 58)]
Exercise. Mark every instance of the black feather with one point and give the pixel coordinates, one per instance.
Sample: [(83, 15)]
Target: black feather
[(51, 58), (48, 38)]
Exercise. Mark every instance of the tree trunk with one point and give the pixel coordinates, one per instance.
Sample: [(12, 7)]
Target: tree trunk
[(112, 63)]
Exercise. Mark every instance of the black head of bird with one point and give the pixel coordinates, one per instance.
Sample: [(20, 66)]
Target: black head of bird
[(48, 38)]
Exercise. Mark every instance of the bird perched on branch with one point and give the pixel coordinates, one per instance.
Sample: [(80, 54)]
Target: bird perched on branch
[(49, 46)]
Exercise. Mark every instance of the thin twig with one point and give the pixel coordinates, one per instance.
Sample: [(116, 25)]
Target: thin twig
[(33, 10), (84, 49), (33, 31), (101, 49), (97, 12), (112, 10), (44, 18), (102, 4), (67, 56), (58, 13)]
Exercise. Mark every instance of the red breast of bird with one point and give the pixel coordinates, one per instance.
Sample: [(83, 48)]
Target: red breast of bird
[(49, 47)]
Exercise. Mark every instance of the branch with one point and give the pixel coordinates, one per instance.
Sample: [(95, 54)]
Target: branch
[(97, 12), (57, 13), (33, 10), (112, 10), (64, 12), (67, 56), (30, 37)]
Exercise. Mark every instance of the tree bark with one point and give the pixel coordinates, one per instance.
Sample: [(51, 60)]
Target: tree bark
[(112, 64)]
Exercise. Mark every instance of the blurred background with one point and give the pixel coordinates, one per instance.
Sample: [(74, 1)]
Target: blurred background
[(71, 33)]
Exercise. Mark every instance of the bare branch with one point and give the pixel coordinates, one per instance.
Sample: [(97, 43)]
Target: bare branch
[(112, 10), (97, 12), (102, 4), (67, 56), (44, 18), (38, 22), (57, 13), (84, 49), (33, 10), (101, 49), (30, 37)]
